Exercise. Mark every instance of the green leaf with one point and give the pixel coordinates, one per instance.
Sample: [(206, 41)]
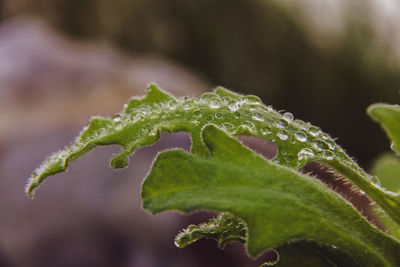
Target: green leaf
[(387, 168), (143, 120), (278, 204), (227, 228), (310, 254), (389, 118)]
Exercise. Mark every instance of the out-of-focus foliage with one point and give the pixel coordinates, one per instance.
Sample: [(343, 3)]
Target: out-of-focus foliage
[(257, 46)]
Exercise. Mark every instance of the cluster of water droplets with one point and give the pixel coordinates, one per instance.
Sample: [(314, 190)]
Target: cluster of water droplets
[(298, 142)]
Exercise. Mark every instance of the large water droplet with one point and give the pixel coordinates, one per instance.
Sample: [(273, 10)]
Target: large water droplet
[(320, 144), (305, 154), (288, 116), (326, 154), (314, 131), (281, 123), (301, 135), (214, 102), (228, 127), (251, 99), (258, 116), (283, 135), (233, 105)]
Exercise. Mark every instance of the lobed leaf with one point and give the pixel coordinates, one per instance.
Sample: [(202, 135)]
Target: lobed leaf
[(389, 118), (227, 228), (143, 119), (278, 204)]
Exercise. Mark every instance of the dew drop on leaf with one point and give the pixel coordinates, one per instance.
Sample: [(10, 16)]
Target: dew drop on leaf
[(229, 127), (233, 105), (117, 117), (320, 144), (314, 131), (146, 128), (218, 115), (258, 116), (301, 135), (305, 154), (283, 135), (288, 116), (281, 123), (326, 154)]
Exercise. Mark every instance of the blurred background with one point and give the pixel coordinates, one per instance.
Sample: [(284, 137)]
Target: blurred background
[(62, 61)]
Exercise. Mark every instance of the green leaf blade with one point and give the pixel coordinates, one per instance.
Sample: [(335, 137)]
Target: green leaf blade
[(278, 204), (389, 118)]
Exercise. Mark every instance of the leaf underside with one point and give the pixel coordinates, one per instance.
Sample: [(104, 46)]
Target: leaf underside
[(143, 119), (278, 204)]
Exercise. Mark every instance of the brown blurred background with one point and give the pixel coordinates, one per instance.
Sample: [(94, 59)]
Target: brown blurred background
[(62, 61)]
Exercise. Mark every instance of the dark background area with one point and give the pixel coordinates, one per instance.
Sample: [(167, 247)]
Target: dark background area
[(62, 61)]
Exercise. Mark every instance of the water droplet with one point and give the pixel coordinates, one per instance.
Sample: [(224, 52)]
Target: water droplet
[(266, 130), (146, 128), (135, 117), (233, 105), (288, 116), (314, 131), (301, 135), (393, 147), (172, 104), (325, 136), (218, 115), (283, 135), (251, 99), (248, 125), (375, 180), (320, 144), (245, 113), (305, 154), (213, 102), (331, 144), (326, 154), (253, 107), (229, 127), (117, 117), (258, 116), (186, 106), (300, 123), (281, 123)]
